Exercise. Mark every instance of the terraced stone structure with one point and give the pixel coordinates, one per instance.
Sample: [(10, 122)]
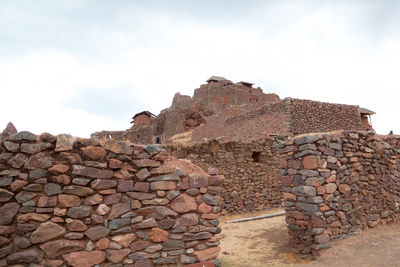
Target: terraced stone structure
[(335, 184), (87, 202)]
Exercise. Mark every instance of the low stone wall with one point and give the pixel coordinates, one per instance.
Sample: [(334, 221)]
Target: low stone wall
[(337, 184), (86, 202), (250, 171)]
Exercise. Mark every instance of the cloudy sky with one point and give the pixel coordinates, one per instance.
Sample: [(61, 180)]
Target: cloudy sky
[(80, 66)]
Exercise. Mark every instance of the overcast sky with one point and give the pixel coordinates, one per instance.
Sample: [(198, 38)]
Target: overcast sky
[(80, 66)]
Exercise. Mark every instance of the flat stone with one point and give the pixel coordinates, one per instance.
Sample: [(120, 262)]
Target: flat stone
[(22, 242), (103, 209), (34, 148), (160, 210), (91, 172), (74, 236), (197, 236), (196, 181), (141, 196), (9, 130), (100, 184), (118, 209), (306, 207), (17, 161), (149, 223), (163, 185), (153, 149), (64, 142), (119, 147), (84, 258), (76, 225), (23, 136), (330, 188), (78, 190), (119, 223), (33, 187), (47, 231), (125, 186), (44, 202), (5, 195), (166, 177), (188, 219), (33, 217), (184, 203), (173, 245), (94, 199), (116, 256), (10, 146), (8, 212), (17, 184), (158, 235), (94, 152), (207, 254), (37, 173), (27, 256), (79, 212), (63, 246), (142, 174), (68, 201), (97, 232), (40, 160), (305, 191), (124, 240), (59, 168), (144, 163)]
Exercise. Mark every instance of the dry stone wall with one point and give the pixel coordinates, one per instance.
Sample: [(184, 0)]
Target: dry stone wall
[(250, 171), (336, 184), (87, 202)]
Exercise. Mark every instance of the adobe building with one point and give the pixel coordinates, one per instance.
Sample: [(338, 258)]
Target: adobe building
[(143, 118)]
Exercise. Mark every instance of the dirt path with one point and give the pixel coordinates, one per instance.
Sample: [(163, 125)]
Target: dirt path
[(264, 243)]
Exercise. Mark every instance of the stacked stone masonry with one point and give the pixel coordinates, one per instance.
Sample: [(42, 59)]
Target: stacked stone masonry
[(250, 171), (87, 202), (336, 184)]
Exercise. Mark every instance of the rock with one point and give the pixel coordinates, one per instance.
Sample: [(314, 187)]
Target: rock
[(308, 139), (306, 207), (118, 209), (9, 130), (52, 189), (33, 217), (198, 236), (37, 173), (119, 147), (124, 240), (344, 188), (91, 172), (184, 203), (142, 174), (207, 254), (17, 184), (162, 211), (64, 142), (94, 152), (63, 246), (79, 212), (141, 196), (80, 181), (74, 236), (116, 256), (47, 231), (304, 191), (321, 239), (163, 185), (47, 202), (102, 244), (330, 188), (125, 186), (5, 195), (158, 235), (100, 184), (5, 230), (8, 212), (198, 181), (173, 245), (10, 146), (59, 168), (78, 190), (153, 149), (97, 232), (33, 187), (34, 148), (76, 225), (4, 251), (310, 162), (103, 209), (27, 256), (84, 258), (23, 136), (39, 161), (24, 196), (184, 259), (22, 242), (119, 223), (68, 201), (189, 219), (149, 223), (152, 249), (94, 199), (17, 161), (145, 163), (211, 200)]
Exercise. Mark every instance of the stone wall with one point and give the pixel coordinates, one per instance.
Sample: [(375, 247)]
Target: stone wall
[(336, 184), (307, 116), (250, 171), (83, 202)]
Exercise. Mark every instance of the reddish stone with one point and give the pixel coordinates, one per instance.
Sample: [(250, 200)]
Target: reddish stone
[(141, 187), (27, 256), (119, 147), (143, 263), (84, 258), (8, 212), (47, 202), (310, 162), (204, 208), (17, 161), (39, 161), (62, 246), (344, 188), (93, 152), (118, 209), (9, 130), (67, 201), (62, 179), (213, 190), (94, 199), (321, 239), (214, 180), (115, 164), (166, 223), (293, 164), (115, 256), (108, 191), (188, 219), (158, 235), (17, 184), (100, 184), (163, 185), (198, 181), (102, 244), (139, 245), (124, 240), (91, 172), (184, 203), (210, 216), (286, 181), (60, 168), (202, 264), (76, 225), (125, 186), (5, 230), (33, 217), (47, 231), (207, 254), (113, 199), (4, 241)]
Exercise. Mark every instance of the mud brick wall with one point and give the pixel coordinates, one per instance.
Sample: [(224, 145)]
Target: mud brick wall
[(86, 202), (337, 184), (250, 171), (307, 116)]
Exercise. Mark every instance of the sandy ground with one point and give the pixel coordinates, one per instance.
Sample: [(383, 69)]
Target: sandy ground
[(264, 243)]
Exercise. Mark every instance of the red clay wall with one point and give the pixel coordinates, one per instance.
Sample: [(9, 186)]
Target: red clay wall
[(142, 120), (88, 202)]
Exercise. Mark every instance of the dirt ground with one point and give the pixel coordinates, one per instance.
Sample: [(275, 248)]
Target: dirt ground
[(264, 243)]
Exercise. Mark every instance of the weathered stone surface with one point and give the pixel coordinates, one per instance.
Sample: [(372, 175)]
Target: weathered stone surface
[(118, 209), (173, 245), (91, 172), (119, 223), (59, 168), (10, 146), (47, 202), (160, 210), (84, 258), (310, 162), (144, 163), (207, 254), (79, 212), (76, 225), (34, 148), (22, 242), (158, 235), (184, 203), (163, 185), (37, 173), (304, 191), (142, 174), (149, 223), (94, 199), (100, 184), (23, 136), (5, 195), (62, 246), (141, 196), (97, 232), (47, 231), (9, 130), (103, 209), (33, 187), (33, 217), (8, 212), (330, 188), (188, 219), (68, 201), (78, 190), (116, 256), (94, 152), (17, 184), (198, 236), (125, 186), (124, 240), (27, 256), (119, 147), (64, 142), (211, 200), (306, 207), (17, 161)]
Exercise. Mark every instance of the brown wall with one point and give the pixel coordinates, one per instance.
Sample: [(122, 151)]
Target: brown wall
[(337, 184), (142, 120), (248, 185), (86, 202)]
